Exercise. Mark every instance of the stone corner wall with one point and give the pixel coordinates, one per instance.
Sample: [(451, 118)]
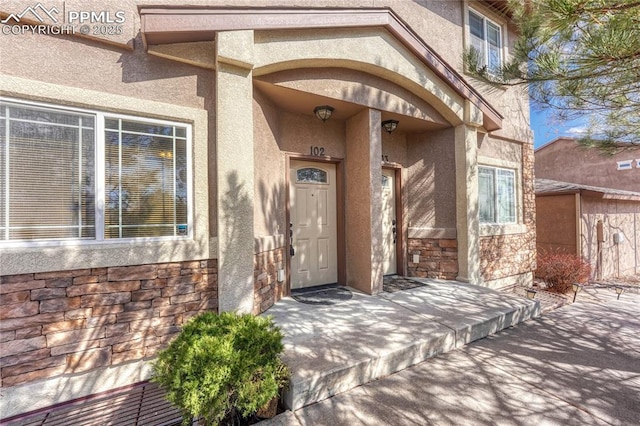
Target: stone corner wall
[(438, 258), (266, 288), (67, 322), (508, 255)]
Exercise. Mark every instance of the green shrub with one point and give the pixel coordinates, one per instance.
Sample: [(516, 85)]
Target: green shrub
[(222, 365), (560, 270)]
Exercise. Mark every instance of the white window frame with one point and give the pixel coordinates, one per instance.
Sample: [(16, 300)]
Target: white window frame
[(99, 159), (516, 210), (486, 19), (625, 165)]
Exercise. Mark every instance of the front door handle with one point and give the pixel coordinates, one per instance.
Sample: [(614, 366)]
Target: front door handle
[(292, 251), (394, 229)]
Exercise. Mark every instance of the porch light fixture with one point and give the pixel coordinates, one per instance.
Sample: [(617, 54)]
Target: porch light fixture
[(531, 293), (619, 290), (323, 112), (390, 125), (576, 289)]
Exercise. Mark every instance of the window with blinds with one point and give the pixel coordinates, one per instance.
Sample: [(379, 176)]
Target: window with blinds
[(50, 188), (486, 39), (145, 183), (496, 195)]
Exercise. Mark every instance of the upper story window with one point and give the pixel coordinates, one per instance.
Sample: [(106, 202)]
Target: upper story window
[(625, 165), (496, 195), (88, 175), (486, 39)]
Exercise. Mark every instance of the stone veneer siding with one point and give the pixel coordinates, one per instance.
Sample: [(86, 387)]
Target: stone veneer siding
[(267, 289), (508, 255), (66, 322), (438, 258)]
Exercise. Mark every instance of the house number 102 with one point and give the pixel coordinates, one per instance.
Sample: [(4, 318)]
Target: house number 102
[(317, 151)]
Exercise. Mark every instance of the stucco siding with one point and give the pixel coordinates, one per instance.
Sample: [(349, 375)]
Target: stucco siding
[(608, 258), (431, 183), (566, 160), (269, 183)]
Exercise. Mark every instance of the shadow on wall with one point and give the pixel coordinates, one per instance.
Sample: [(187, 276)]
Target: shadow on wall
[(233, 237), (139, 66), (272, 205), (611, 255), (431, 179)]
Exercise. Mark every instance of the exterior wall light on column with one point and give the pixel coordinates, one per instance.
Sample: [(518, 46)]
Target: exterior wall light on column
[(390, 125), (323, 112), (619, 290)]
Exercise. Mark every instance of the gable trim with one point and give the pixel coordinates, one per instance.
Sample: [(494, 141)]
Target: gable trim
[(166, 25)]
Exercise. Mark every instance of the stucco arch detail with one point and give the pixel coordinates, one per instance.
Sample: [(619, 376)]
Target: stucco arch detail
[(373, 51)]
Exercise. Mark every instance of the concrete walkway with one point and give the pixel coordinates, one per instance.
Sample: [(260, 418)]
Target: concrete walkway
[(577, 365), (331, 349)]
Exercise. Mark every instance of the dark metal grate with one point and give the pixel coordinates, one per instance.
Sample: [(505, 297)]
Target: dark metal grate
[(142, 404)]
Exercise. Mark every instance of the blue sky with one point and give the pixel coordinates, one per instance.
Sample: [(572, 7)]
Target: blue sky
[(546, 128)]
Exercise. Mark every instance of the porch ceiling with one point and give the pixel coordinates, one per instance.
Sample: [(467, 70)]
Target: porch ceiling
[(164, 25), (296, 101)]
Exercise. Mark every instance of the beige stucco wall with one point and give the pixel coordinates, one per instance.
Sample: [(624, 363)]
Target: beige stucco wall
[(566, 160), (617, 217), (95, 66), (269, 181), (363, 203), (440, 23), (358, 88), (502, 150), (431, 185)]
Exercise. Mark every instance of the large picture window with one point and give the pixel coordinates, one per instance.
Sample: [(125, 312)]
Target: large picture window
[(496, 195), (486, 39), (61, 178)]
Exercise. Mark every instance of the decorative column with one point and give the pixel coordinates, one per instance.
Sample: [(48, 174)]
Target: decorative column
[(363, 202), (235, 169), (467, 213)]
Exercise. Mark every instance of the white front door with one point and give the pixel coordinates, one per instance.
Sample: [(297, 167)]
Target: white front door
[(312, 197), (389, 222)]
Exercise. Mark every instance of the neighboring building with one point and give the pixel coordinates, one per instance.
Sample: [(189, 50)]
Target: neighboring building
[(166, 159), (588, 203), (566, 160)]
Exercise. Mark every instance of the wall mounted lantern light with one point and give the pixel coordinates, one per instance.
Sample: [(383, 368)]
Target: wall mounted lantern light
[(323, 112), (390, 125), (531, 293), (619, 290)]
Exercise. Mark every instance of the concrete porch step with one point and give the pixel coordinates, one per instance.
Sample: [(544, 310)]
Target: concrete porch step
[(331, 349)]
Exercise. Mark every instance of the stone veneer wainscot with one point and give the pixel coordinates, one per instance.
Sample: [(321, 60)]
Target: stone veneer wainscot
[(438, 258), (267, 290), (67, 322), (509, 255)]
